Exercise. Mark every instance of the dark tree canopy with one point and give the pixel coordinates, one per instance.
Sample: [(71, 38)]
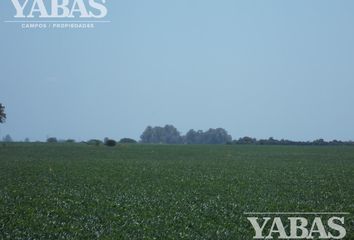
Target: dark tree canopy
[(2, 113)]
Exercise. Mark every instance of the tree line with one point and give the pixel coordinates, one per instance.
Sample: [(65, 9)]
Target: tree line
[(272, 141), (170, 135)]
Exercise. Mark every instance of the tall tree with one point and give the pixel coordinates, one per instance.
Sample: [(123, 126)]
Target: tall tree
[(2, 113), (168, 135), (212, 136)]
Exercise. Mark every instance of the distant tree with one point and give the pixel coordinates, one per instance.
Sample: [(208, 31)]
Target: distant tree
[(147, 135), (168, 134), (288, 142), (52, 140), (245, 140), (27, 140), (320, 142), (127, 140), (272, 141), (216, 136), (2, 113), (171, 135), (94, 142), (7, 139), (212, 136), (192, 137), (335, 142), (110, 142), (70, 141)]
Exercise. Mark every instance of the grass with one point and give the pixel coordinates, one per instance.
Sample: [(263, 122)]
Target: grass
[(75, 191)]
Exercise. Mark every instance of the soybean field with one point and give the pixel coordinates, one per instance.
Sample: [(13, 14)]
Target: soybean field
[(77, 191)]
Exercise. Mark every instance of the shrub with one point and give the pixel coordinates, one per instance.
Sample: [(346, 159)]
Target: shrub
[(52, 140), (94, 142), (127, 140), (110, 142)]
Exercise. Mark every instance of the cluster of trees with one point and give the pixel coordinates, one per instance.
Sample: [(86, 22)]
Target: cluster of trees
[(212, 136), (107, 141), (110, 142), (170, 135)]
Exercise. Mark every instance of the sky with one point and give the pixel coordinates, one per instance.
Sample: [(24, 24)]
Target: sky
[(260, 68)]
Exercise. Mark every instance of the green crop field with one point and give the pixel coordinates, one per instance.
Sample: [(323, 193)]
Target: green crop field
[(76, 191)]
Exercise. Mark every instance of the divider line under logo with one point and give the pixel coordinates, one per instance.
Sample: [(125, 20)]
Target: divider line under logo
[(103, 21)]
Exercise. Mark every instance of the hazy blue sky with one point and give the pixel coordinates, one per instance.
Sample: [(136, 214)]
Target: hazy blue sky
[(260, 68)]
